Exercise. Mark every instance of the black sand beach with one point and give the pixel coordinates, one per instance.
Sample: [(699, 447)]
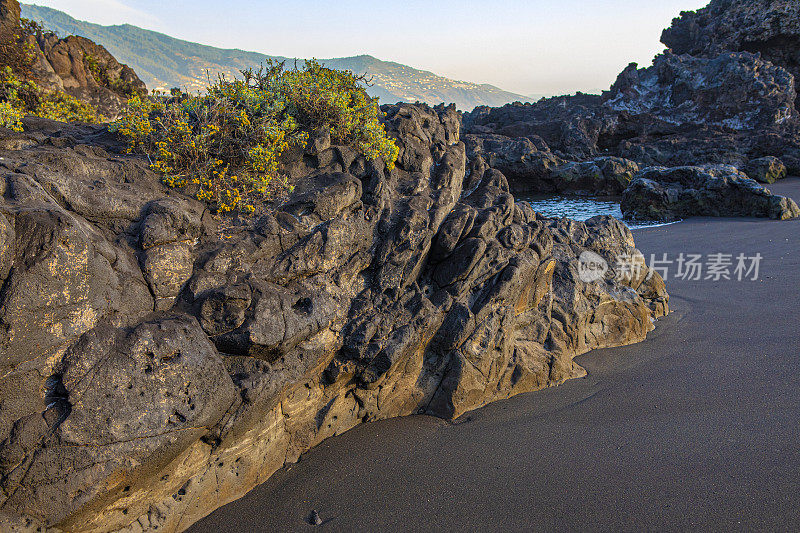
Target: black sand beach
[(695, 428)]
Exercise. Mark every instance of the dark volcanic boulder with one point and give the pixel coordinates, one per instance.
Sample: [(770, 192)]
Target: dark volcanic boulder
[(528, 163), (607, 176), (156, 366), (766, 169), (119, 399), (768, 27), (674, 193), (739, 91), (532, 168)]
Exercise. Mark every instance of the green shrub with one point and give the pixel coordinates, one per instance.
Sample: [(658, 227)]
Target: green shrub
[(19, 98), (225, 145), (101, 76), (30, 27)]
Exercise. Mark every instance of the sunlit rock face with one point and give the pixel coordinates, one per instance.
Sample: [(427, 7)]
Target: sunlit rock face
[(73, 64), (155, 366)]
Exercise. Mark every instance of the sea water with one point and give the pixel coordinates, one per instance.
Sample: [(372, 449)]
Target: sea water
[(582, 208)]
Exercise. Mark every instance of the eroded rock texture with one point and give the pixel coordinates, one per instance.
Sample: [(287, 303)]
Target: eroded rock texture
[(75, 65), (86, 71), (724, 94), (669, 194), (768, 27), (155, 367)]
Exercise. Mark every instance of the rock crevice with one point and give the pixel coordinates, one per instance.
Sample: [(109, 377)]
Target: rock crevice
[(156, 366)]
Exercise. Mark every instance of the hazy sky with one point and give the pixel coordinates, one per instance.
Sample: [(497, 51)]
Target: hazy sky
[(524, 46)]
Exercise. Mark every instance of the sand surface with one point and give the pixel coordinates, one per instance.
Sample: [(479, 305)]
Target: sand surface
[(698, 427)]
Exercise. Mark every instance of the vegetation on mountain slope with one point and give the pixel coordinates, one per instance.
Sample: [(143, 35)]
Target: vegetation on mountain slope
[(165, 62)]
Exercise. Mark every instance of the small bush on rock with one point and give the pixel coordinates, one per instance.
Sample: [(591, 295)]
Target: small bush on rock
[(10, 116), (224, 146), (19, 98), (101, 76)]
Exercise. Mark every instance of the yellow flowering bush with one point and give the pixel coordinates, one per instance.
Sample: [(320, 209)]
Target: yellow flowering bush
[(335, 98), (101, 76), (59, 105), (19, 98), (11, 116), (224, 146)]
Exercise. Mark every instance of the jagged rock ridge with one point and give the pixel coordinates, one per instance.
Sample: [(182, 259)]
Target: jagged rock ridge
[(770, 28), (725, 94), (75, 65), (175, 369)]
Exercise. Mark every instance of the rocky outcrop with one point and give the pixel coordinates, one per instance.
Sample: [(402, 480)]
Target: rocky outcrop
[(526, 161), (673, 193), (86, 71), (681, 111), (156, 366), (606, 176), (9, 15), (725, 94), (770, 28), (738, 91), (570, 126), (74, 65), (766, 169), (532, 168)]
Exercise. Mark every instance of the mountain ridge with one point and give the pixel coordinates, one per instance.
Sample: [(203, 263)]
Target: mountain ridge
[(163, 62)]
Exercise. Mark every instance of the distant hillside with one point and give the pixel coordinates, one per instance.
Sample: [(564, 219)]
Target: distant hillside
[(164, 62)]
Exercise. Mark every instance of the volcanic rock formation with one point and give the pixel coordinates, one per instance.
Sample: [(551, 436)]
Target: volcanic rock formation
[(725, 94), (659, 193), (155, 366), (73, 64), (770, 28)]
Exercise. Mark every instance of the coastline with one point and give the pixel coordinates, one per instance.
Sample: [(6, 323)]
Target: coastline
[(696, 427), (197, 290)]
